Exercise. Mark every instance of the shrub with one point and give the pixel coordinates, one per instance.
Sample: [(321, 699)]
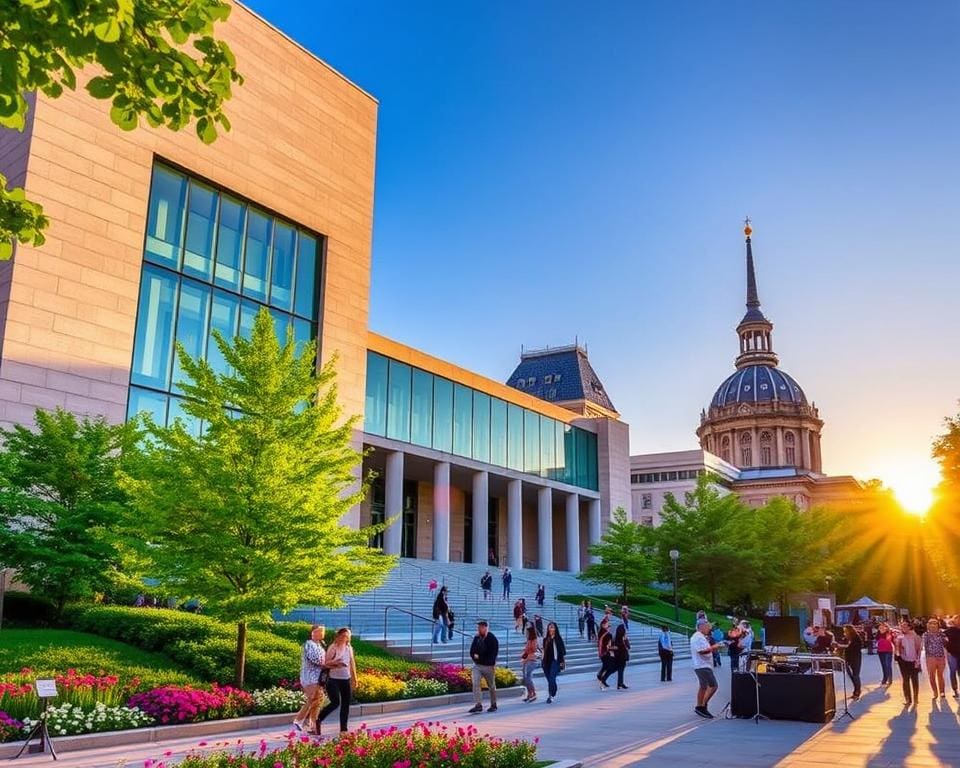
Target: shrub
[(418, 687), (9, 727), (274, 700), (503, 676), (419, 746), (23, 609), (452, 675), (175, 704), (68, 719), (374, 687)]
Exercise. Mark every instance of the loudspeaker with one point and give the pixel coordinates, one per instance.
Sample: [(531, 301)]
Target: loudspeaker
[(782, 631)]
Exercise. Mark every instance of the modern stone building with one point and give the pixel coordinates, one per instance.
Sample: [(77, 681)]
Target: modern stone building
[(157, 238), (760, 435)]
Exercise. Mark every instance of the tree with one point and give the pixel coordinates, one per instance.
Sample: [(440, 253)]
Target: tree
[(246, 517), (942, 530), (624, 556), (60, 499), (138, 50), (708, 531)]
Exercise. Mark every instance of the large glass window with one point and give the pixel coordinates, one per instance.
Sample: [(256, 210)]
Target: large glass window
[(548, 448), (531, 442), (462, 420), (515, 437), (421, 422), (481, 426), (498, 432), (196, 235), (375, 408), (443, 414), (398, 402)]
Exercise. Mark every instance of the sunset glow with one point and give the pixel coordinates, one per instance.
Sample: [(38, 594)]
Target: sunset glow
[(913, 482)]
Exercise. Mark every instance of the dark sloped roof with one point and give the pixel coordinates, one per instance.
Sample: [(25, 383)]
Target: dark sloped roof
[(560, 375), (758, 384)]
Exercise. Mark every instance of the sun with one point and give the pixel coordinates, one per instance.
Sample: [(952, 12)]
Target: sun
[(912, 479), (916, 498)]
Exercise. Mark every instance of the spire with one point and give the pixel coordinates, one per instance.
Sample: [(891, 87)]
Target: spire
[(753, 300), (756, 341)]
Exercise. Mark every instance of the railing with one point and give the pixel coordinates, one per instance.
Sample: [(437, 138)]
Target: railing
[(406, 564)]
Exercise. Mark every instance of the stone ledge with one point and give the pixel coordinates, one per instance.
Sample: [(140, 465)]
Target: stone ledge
[(159, 733)]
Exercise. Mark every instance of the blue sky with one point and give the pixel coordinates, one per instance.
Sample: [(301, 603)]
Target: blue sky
[(552, 170)]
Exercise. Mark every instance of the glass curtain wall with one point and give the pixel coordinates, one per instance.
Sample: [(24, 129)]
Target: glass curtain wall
[(212, 261), (415, 406)]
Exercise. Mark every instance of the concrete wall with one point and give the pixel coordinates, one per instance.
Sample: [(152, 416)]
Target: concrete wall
[(302, 145)]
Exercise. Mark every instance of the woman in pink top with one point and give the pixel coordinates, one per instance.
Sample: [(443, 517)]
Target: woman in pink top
[(885, 638)]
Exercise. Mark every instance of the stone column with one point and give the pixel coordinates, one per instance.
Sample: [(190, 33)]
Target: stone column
[(594, 526), (545, 529), (514, 525), (481, 519), (393, 502), (807, 456), (573, 533), (781, 460), (441, 512)]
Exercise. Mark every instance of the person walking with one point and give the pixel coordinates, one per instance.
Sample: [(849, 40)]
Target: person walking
[(591, 624), (952, 635), (625, 616), (885, 638), (441, 618), (908, 647), (541, 595), (665, 651), (483, 653), (517, 616), (486, 584), (529, 661), (701, 650), (621, 655), (554, 659), (343, 678), (935, 652), (311, 670), (605, 653), (581, 616), (852, 647), (507, 581)]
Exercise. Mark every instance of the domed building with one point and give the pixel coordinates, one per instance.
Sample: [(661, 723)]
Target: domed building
[(759, 416)]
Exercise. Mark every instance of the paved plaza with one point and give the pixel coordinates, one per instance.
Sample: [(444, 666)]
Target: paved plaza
[(653, 724)]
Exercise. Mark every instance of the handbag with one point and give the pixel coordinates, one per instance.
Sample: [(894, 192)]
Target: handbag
[(324, 678)]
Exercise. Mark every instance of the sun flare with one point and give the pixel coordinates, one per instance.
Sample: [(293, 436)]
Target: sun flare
[(913, 485)]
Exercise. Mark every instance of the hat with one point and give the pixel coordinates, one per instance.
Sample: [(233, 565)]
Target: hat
[(482, 623)]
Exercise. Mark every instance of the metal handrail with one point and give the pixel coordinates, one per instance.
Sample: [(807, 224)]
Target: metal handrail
[(412, 565)]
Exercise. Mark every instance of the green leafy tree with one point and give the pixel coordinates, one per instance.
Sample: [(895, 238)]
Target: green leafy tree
[(624, 553), (708, 531), (246, 517), (942, 529), (144, 68), (60, 500)]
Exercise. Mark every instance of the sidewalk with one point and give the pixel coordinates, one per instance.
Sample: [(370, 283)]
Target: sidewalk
[(653, 724)]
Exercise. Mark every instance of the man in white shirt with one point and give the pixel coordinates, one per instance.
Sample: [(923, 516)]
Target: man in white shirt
[(701, 649)]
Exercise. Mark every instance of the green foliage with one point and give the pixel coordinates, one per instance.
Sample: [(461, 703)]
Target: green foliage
[(624, 556), (246, 517), (23, 609), (46, 651), (59, 501), (145, 68)]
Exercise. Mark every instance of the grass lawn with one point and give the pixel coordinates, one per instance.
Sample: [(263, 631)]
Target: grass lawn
[(657, 608), (56, 650)]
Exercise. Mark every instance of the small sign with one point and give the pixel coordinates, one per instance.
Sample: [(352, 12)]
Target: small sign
[(46, 689)]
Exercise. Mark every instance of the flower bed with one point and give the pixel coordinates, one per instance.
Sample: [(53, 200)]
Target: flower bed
[(70, 720), (422, 745)]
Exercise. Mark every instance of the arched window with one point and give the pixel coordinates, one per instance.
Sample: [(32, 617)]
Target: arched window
[(789, 450), (725, 448), (746, 452), (766, 449)]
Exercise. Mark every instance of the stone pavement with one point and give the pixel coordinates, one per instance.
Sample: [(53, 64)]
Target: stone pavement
[(652, 724)]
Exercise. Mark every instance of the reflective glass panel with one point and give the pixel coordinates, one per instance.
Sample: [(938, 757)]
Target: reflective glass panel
[(201, 231), (375, 407), (421, 422), (153, 343), (481, 426), (569, 455), (548, 447), (284, 248), (592, 480), (462, 420), (168, 194), (443, 414), (581, 475), (280, 322), (152, 403), (257, 255), (398, 402), (498, 432), (190, 423), (223, 318), (515, 437), (531, 442), (559, 473), (308, 278), (191, 325), (248, 313), (302, 333), (230, 243)]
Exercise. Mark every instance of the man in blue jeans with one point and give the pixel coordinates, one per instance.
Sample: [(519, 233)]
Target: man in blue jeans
[(483, 652)]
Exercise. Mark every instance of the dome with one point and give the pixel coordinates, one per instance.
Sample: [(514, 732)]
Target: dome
[(758, 384)]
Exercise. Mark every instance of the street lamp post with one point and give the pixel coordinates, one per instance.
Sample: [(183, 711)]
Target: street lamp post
[(675, 555)]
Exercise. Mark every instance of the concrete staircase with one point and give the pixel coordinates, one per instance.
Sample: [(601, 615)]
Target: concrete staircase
[(398, 614)]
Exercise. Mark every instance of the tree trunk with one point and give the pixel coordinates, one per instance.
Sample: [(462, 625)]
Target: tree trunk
[(241, 660)]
